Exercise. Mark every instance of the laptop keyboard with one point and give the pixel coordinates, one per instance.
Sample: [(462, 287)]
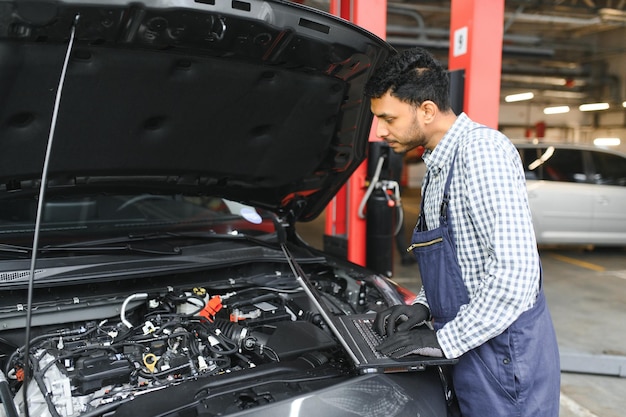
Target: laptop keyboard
[(370, 336)]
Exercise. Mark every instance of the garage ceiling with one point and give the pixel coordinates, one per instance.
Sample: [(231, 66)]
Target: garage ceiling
[(558, 49)]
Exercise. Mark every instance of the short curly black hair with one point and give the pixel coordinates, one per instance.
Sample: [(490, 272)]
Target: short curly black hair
[(413, 76)]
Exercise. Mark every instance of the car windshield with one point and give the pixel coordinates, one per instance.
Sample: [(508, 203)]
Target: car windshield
[(76, 219)]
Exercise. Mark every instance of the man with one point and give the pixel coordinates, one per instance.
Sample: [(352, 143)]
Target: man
[(475, 247)]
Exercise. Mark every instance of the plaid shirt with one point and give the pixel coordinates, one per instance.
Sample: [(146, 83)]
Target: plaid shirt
[(492, 227)]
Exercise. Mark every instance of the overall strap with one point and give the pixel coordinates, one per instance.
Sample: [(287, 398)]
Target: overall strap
[(421, 218), (444, 210)]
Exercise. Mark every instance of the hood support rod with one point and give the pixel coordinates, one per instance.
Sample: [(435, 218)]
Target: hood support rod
[(40, 205)]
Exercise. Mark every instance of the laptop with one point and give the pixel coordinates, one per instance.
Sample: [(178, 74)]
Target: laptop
[(356, 334)]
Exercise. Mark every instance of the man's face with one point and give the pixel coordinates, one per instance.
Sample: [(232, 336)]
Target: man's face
[(399, 123)]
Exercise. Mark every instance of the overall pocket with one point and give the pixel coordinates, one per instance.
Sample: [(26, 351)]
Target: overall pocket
[(440, 273)]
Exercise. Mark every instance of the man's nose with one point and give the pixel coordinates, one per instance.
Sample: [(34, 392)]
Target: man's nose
[(381, 130)]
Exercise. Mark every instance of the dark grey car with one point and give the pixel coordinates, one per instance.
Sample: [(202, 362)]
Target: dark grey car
[(154, 160)]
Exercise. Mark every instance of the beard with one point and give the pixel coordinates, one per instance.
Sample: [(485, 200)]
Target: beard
[(410, 139)]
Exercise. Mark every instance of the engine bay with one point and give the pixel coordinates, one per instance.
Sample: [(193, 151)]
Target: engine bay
[(187, 335)]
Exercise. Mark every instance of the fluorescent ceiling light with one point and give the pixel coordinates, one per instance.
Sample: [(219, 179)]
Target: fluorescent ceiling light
[(564, 94), (593, 106), (518, 97), (624, 104), (556, 110), (606, 141)]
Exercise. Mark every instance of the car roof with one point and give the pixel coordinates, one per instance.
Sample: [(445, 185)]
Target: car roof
[(566, 145)]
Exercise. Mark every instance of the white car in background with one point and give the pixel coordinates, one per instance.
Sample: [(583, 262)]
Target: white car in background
[(577, 193)]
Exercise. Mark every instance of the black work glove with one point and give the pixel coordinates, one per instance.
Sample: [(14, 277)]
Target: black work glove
[(400, 317), (420, 341)]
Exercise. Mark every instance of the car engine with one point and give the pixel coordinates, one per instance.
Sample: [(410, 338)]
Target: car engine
[(183, 336)]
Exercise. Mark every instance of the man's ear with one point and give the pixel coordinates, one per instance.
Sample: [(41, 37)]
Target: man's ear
[(429, 110)]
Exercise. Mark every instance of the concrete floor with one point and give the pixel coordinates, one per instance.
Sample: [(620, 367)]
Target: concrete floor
[(586, 293)]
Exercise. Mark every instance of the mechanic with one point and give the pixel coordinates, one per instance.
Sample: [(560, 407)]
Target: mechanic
[(475, 248)]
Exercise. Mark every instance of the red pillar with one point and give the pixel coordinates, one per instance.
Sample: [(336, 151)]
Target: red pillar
[(342, 213), (476, 30)]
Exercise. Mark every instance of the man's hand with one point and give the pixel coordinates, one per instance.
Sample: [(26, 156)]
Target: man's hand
[(421, 341), (400, 318)]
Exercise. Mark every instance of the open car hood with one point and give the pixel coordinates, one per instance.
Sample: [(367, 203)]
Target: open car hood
[(255, 101)]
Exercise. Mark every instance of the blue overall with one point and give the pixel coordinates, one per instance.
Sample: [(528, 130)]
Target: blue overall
[(510, 375)]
